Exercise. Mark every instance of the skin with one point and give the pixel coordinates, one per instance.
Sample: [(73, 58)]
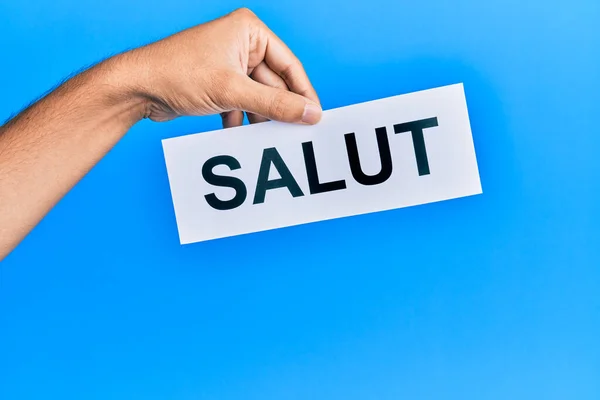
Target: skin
[(229, 66)]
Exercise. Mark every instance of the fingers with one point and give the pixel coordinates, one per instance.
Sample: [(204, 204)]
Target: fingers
[(255, 119), (232, 119), (282, 61), (265, 75), (272, 103)]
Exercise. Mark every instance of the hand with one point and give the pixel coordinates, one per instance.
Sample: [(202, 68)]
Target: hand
[(227, 66)]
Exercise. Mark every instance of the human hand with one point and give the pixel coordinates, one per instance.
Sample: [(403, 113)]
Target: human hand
[(226, 66)]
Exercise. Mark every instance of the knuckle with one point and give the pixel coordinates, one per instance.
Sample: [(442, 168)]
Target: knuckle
[(277, 108), (287, 71), (291, 72), (244, 12)]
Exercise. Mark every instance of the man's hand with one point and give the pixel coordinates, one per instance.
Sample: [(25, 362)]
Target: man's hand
[(206, 69), (227, 66)]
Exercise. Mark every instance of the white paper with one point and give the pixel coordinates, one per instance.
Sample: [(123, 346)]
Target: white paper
[(449, 151)]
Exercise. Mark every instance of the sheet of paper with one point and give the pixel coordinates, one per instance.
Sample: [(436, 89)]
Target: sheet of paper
[(380, 155)]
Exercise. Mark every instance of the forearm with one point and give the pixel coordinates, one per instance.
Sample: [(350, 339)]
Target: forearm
[(49, 147)]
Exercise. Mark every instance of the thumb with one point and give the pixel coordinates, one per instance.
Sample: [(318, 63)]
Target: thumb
[(275, 104)]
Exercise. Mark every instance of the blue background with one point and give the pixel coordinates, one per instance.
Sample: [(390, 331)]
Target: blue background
[(490, 297)]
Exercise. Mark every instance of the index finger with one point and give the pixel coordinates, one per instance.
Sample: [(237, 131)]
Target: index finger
[(285, 64)]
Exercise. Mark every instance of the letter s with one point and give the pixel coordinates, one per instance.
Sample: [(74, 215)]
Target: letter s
[(224, 181)]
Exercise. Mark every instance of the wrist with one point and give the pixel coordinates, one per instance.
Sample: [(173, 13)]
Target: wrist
[(116, 83)]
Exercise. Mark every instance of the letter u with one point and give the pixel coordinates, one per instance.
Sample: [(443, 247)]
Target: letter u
[(385, 156)]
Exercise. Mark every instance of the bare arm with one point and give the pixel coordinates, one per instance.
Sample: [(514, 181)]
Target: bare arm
[(226, 66)]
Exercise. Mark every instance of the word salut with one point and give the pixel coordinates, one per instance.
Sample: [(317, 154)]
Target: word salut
[(272, 159), (381, 155)]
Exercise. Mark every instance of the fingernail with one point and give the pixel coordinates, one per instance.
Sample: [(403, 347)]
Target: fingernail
[(312, 113)]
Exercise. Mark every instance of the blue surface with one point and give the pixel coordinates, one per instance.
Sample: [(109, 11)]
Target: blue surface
[(490, 297)]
